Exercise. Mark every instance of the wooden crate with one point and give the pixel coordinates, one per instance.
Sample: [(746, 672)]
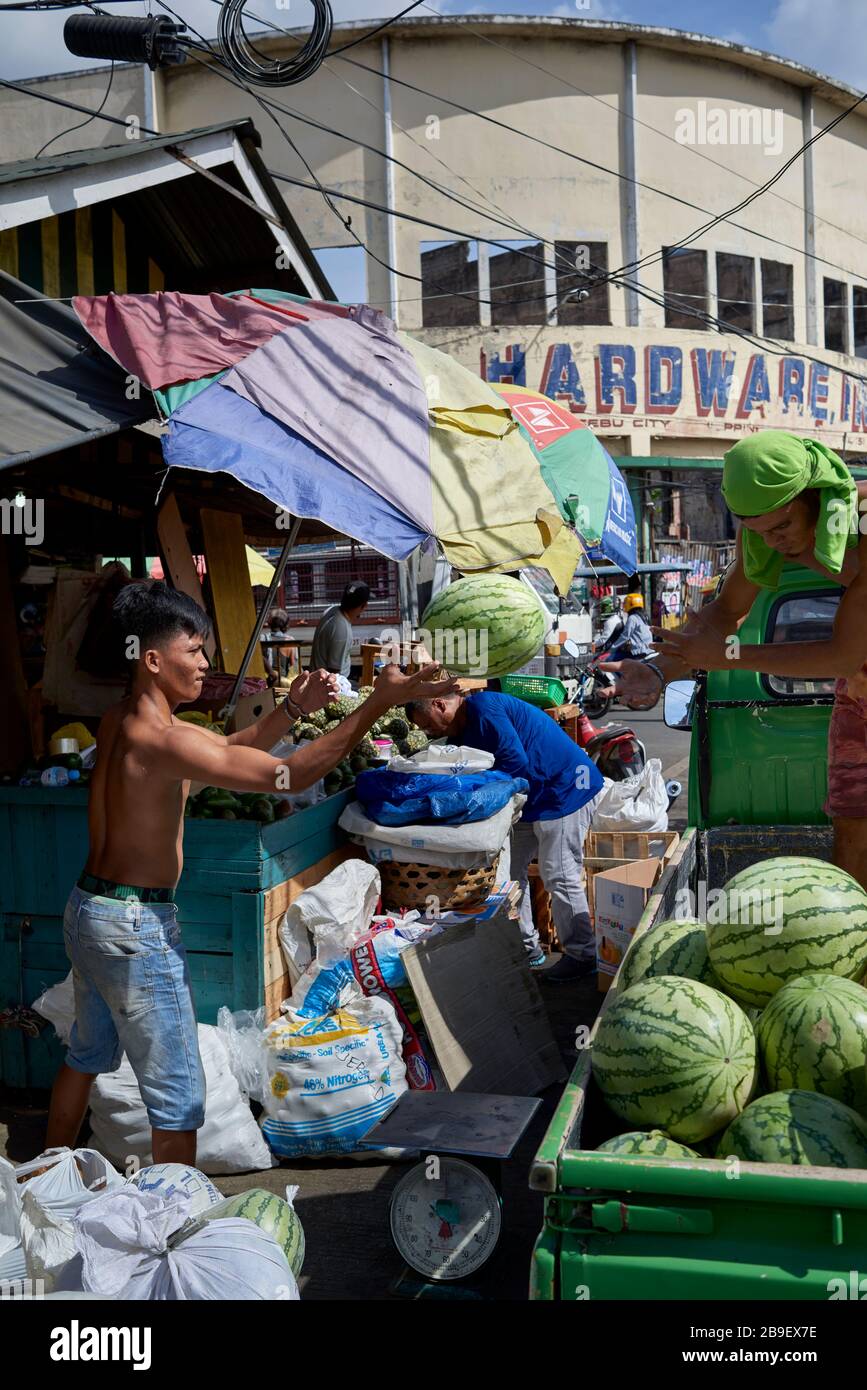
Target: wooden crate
[(238, 879), (567, 717), (608, 849)]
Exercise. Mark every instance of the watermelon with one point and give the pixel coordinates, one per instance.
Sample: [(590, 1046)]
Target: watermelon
[(168, 1178), (669, 948), (813, 1037), (272, 1214), (797, 1127), (675, 1053), (653, 1143), (781, 918), (485, 625)]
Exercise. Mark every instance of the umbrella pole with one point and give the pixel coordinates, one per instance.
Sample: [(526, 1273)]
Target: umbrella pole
[(229, 708)]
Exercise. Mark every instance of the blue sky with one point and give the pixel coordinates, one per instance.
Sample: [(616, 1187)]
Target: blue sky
[(830, 35)]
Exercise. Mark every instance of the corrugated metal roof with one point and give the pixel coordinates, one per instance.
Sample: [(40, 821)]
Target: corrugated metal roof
[(106, 154)]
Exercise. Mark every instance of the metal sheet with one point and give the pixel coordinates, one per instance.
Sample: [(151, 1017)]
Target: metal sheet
[(455, 1122)]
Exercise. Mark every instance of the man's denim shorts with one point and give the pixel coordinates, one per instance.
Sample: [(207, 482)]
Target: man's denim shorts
[(133, 996)]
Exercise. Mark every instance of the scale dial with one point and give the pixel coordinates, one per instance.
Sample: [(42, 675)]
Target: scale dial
[(446, 1227)]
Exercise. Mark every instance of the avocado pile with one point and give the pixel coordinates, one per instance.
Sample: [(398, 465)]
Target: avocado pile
[(393, 724), (215, 803)]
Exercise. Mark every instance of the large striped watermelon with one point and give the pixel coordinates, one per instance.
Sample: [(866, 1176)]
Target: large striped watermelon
[(813, 1037), (782, 917), (669, 948), (272, 1214), (484, 625), (653, 1143), (675, 1053), (798, 1127)]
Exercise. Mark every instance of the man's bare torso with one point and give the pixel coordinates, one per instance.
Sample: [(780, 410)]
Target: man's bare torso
[(135, 813)]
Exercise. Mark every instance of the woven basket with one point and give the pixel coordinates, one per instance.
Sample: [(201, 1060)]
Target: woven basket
[(412, 885)]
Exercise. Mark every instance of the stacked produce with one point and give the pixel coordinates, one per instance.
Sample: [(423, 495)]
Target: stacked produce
[(393, 724), (215, 803), (677, 1051)]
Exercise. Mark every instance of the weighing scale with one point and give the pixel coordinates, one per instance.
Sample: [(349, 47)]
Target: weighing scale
[(446, 1213)]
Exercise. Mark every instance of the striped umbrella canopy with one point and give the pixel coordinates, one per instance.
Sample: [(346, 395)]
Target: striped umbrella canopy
[(332, 413)]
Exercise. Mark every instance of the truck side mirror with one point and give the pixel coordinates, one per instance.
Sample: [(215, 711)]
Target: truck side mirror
[(677, 704)]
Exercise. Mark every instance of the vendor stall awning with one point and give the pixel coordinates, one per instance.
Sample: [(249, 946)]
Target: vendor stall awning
[(57, 389)]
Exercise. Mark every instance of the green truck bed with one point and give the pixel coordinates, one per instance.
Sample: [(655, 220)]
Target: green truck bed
[(646, 1228)]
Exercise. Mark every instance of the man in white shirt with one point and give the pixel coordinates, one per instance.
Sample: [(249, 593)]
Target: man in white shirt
[(332, 640)]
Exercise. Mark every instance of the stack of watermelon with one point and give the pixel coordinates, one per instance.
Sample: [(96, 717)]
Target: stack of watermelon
[(677, 1050)]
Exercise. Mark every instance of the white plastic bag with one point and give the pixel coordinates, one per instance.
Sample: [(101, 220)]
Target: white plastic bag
[(445, 759), (331, 1078), (636, 803), (132, 1246), (285, 749), (324, 920), (50, 1201), (449, 845), (12, 1263), (229, 1141), (57, 1004)]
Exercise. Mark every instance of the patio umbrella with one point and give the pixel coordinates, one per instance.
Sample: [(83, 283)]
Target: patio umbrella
[(332, 413), (261, 571)]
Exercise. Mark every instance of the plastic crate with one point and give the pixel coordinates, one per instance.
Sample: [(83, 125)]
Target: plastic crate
[(543, 691)]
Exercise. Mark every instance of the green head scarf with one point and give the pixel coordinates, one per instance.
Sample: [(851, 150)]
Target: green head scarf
[(771, 468)]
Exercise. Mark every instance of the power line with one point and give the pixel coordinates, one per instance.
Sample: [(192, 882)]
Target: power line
[(61, 133)]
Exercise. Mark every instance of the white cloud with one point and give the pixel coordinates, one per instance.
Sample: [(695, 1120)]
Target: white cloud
[(831, 38)]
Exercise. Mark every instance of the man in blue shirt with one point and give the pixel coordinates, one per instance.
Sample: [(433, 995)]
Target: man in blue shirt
[(564, 784)]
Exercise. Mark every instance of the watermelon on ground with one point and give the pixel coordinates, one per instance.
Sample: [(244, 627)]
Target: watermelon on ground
[(669, 948), (484, 625), (272, 1214), (797, 1127), (653, 1143), (677, 1054), (781, 918), (813, 1037)]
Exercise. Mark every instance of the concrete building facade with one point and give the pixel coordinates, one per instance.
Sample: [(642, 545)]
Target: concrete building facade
[(532, 158)]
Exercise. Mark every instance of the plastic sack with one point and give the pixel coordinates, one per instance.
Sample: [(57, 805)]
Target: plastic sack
[(393, 798), (331, 1078), (370, 962), (12, 1262), (443, 759), (50, 1201), (468, 846), (229, 1141), (636, 803), (285, 749), (57, 1004), (323, 920), (242, 1033), (133, 1246)]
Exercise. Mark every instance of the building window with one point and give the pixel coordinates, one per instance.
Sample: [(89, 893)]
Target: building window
[(518, 283), (859, 315), (449, 283), (835, 315), (734, 291), (778, 310), (588, 258), (684, 279)]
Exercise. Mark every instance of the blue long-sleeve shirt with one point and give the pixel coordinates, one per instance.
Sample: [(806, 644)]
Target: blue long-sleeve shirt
[(528, 743)]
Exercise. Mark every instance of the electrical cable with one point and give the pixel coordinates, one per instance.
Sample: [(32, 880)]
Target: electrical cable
[(61, 133)]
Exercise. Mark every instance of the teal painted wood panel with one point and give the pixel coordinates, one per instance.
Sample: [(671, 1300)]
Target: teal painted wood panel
[(248, 934)]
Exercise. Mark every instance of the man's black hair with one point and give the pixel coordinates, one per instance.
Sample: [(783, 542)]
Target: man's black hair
[(354, 595), (154, 613), (278, 618)]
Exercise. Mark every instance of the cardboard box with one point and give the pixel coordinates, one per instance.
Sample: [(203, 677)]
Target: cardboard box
[(621, 896)]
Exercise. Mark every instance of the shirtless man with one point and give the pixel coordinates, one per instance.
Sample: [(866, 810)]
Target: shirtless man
[(797, 503), (132, 981)]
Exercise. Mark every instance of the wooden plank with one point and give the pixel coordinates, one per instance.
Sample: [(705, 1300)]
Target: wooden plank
[(14, 721), (232, 594), (118, 253), (248, 981), (51, 257), (9, 251), (178, 563)]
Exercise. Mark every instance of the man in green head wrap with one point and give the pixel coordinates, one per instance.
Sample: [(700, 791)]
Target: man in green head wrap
[(797, 503)]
